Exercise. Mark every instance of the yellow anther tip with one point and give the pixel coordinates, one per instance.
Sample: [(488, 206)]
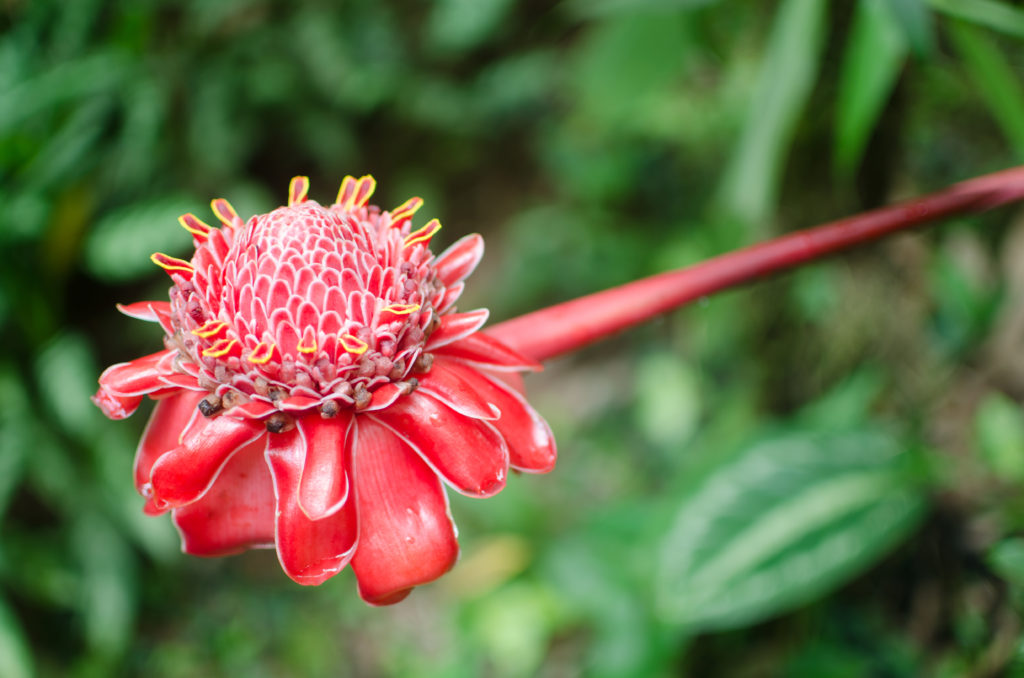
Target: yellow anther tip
[(171, 264), (353, 344), (221, 348), (298, 188), (424, 234)]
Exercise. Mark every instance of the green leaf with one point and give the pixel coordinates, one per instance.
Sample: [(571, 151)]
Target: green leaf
[(72, 148), (515, 625), (785, 521), (1007, 559), (872, 61), (66, 373), (627, 65), (460, 25), (999, 430), (847, 404), (119, 247), (107, 592), (598, 8), (749, 186), (997, 81), (15, 656), (68, 82), (16, 428), (995, 15), (915, 19), (668, 403)]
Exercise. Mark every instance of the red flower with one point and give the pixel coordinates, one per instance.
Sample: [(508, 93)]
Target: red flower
[(316, 388)]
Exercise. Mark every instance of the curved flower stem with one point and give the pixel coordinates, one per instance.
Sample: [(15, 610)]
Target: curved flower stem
[(565, 327)]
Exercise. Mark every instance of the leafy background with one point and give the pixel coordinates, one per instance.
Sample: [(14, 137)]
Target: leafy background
[(818, 475)]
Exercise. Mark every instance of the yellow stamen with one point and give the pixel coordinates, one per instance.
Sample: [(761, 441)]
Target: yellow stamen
[(365, 188), (224, 211), (400, 309), (194, 225), (406, 210), (262, 353), (297, 190), (210, 329), (352, 344), (307, 348), (171, 264), (346, 192), (221, 348), (424, 234)]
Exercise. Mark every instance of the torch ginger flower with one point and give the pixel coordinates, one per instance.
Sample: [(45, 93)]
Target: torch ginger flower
[(317, 386)]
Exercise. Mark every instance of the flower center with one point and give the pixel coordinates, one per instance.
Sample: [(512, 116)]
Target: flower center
[(307, 306)]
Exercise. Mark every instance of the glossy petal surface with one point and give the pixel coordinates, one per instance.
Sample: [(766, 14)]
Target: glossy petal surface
[(531, 446), (310, 551), (238, 511), (182, 475), (468, 453), (162, 434), (406, 536), (324, 484)]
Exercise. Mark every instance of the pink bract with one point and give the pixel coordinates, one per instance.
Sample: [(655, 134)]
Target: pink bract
[(318, 388)]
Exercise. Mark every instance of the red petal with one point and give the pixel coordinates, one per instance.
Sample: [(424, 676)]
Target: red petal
[(138, 377), (150, 311), (298, 403), (254, 409), (323, 487), (384, 396), (406, 536), (114, 406), (455, 326), (310, 551), (170, 418), (483, 350), (441, 383), (531, 446), (468, 453), (459, 260), (185, 473), (514, 380), (238, 511), (447, 299)]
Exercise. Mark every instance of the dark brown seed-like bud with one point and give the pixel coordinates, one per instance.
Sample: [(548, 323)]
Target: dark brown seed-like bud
[(277, 422), (413, 384), (230, 399), (397, 370), (423, 363), (329, 409), (276, 393), (362, 397), (210, 405)]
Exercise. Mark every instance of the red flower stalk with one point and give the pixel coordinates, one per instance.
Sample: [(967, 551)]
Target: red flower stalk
[(565, 327), (316, 387)]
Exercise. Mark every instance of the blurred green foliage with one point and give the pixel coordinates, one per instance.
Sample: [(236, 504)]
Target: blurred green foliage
[(817, 476)]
